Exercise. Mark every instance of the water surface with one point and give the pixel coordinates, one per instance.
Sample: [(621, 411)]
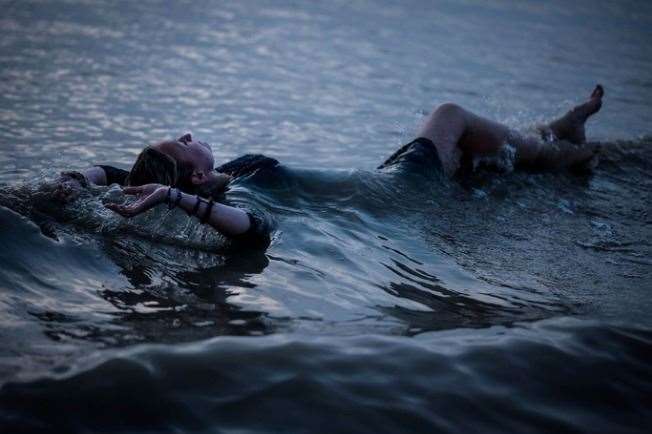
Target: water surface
[(513, 303)]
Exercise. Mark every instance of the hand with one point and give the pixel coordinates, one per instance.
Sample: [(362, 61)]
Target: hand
[(68, 187), (66, 190), (148, 196)]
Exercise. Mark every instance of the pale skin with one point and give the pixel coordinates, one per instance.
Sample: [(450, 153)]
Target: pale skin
[(227, 220), (457, 132)]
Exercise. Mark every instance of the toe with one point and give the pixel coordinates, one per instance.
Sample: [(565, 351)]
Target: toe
[(598, 92)]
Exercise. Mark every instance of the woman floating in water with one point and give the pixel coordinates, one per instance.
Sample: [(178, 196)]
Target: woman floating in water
[(181, 173)]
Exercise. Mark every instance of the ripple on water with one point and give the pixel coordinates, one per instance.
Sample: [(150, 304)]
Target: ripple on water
[(435, 382), (359, 258)]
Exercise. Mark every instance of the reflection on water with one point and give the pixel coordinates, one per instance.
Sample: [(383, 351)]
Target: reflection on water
[(439, 382), (501, 250), (397, 301)]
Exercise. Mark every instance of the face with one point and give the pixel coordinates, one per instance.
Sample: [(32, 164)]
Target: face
[(198, 156)]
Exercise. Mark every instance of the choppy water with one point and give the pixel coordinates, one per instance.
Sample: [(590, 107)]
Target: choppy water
[(385, 303)]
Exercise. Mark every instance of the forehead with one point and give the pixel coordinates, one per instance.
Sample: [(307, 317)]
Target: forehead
[(201, 156), (202, 148)]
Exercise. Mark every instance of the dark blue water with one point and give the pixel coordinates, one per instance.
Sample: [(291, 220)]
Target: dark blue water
[(386, 302)]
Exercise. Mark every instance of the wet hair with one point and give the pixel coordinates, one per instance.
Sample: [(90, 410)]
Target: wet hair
[(153, 166)]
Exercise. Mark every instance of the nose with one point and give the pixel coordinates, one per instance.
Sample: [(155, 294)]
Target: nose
[(186, 138)]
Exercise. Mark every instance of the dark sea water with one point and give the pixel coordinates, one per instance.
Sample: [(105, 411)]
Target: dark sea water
[(386, 302)]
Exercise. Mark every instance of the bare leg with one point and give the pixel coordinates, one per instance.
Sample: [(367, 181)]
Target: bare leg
[(457, 132), (571, 126), (566, 140)]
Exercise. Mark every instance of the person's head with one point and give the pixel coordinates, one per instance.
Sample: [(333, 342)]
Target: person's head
[(181, 163), (154, 166)]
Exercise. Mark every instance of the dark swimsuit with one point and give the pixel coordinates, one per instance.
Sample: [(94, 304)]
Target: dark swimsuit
[(419, 152), (247, 165), (114, 175)]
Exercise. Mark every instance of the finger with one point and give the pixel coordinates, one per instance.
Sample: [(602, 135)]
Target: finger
[(132, 209)]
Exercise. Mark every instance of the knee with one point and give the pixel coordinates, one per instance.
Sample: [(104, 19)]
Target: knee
[(447, 112), (448, 109)]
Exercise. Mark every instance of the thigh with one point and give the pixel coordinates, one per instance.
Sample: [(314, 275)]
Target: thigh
[(458, 133), (482, 136), (445, 126)]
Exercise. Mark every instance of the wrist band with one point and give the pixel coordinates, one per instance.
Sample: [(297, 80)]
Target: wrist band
[(196, 207), (168, 198), (207, 214), (178, 199)]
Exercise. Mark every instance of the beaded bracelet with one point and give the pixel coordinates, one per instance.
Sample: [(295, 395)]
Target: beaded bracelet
[(207, 213), (179, 197), (196, 207), (168, 198)]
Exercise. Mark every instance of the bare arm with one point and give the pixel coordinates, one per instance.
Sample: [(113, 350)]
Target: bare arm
[(227, 220), (69, 185)]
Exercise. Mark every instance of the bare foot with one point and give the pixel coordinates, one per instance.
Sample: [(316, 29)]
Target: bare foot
[(571, 126)]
